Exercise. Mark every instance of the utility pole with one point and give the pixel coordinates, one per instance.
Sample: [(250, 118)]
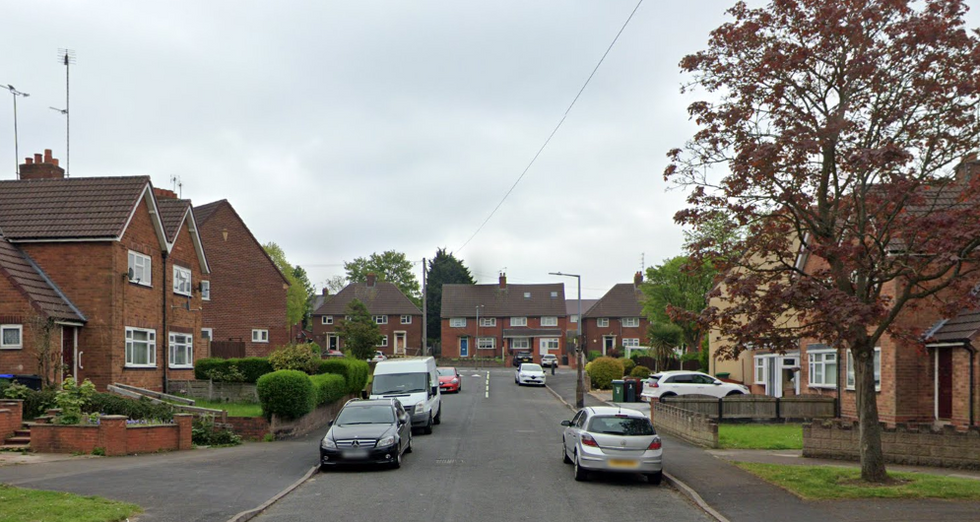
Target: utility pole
[(580, 381), (425, 312), (16, 93)]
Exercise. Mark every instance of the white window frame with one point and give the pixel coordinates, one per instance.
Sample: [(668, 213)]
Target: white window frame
[(631, 322), (406, 319), (384, 341), (573, 318), (548, 343), (149, 345), (260, 335), (520, 343), (486, 343), (760, 369), (457, 322), (142, 267), (488, 321), (380, 319), (207, 333), (326, 319), (551, 320), (631, 342), (19, 328), (821, 358), (183, 283), (849, 382), (187, 347), (602, 322), (206, 290), (518, 321)]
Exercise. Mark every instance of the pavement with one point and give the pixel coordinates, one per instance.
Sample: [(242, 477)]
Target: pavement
[(730, 494)]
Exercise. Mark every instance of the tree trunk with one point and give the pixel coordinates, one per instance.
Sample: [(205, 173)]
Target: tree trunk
[(872, 458)]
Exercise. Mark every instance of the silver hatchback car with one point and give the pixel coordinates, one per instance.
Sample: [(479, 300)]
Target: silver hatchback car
[(618, 440)]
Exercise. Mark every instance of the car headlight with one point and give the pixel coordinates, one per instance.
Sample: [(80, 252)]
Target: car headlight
[(454, 381), (420, 407), (328, 443), (387, 441)]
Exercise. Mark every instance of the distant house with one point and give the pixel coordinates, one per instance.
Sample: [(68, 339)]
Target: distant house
[(245, 298), (498, 320), (616, 319), (399, 320), (100, 276)]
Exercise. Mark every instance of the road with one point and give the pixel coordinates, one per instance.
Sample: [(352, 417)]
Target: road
[(496, 456)]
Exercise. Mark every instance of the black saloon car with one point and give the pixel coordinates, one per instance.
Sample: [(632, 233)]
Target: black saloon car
[(367, 432), (522, 357)]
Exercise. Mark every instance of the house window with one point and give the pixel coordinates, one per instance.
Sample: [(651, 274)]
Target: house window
[(181, 350), (141, 348), (182, 281), (488, 321), (518, 321), (326, 319), (549, 343), (554, 295), (457, 322), (260, 336), (207, 333), (823, 366), (381, 319), (573, 318), (486, 343), (141, 267), (760, 370), (549, 321), (631, 322), (11, 336), (520, 343), (406, 319), (527, 295), (631, 343), (602, 322), (850, 370), (206, 290), (384, 341)]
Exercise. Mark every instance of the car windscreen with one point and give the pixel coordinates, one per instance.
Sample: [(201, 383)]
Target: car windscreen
[(620, 425), (530, 367), (446, 372), (379, 414), (390, 383)]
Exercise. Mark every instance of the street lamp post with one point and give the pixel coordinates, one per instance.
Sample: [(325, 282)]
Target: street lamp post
[(16, 93), (580, 381)]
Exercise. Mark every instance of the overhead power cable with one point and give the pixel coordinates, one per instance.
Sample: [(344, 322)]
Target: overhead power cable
[(555, 130)]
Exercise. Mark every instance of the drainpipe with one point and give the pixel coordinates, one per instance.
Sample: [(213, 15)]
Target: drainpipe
[(166, 338), (973, 353), (840, 365)]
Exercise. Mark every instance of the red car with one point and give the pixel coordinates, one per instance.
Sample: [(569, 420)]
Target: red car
[(449, 380)]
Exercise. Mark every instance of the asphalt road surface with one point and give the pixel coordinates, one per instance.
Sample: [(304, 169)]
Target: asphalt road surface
[(495, 457)]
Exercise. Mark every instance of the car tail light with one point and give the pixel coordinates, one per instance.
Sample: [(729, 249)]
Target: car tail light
[(655, 445), (587, 440), (654, 385)]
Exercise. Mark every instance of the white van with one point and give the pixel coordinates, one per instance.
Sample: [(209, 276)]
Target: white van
[(415, 383)]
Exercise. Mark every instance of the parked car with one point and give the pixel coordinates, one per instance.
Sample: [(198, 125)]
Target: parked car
[(333, 353), (379, 356), (522, 357), (668, 384), (367, 432), (529, 373), (449, 380), (618, 440), (549, 360)]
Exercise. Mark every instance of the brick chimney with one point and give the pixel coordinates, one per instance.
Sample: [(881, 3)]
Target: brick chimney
[(503, 280), (637, 278), (326, 291), (40, 167), (968, 168), (371, 278), (164, 193)]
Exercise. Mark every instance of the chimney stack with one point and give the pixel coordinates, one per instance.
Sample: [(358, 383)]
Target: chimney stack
[(41, 167), (326, 291), (164, 193), (637, 279), (503, 280), (371, 278)]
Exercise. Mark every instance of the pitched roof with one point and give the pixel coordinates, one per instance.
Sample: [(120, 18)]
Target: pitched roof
[(172, 213), (963, 327), (204, 212), (73, 208), (381, 299), (42, 293), (571, 306), (622, 300), (510, 301)]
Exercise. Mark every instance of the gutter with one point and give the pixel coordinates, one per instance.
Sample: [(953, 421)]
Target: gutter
[(163, 334)]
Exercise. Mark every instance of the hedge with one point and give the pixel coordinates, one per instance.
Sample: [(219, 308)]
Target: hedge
[(603, 370), (328, 387), (251, 368), (287, 393), (355, 371), (142, 408)]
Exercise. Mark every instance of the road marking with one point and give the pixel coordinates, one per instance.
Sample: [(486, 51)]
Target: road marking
[(449, 461), (487, 395)]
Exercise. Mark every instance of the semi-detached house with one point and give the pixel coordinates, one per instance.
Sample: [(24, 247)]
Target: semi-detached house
[(616, 319)]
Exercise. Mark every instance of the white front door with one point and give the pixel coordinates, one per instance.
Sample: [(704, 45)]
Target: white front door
[(774, 377)]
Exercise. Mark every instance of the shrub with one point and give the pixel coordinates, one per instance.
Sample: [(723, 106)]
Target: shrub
[(355, 371), (136, 409), (35, 402), (616, 352), (628, 365), (328, 387), (247, 369), (603, 370), (71, 398), (253, 367), (286, 393), (593, 355), (647, 361), (641, 372), (295, 357), (205, 433)]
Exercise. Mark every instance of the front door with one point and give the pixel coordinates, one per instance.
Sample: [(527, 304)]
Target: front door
[(774, 377), (400, 342), (944, 384), (332, 342), (68, 353), (608, 343), (464, 347)]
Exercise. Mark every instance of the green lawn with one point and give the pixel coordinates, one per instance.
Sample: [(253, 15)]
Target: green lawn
[(760, 436), (832, 483), (18, 505), (234, 409)]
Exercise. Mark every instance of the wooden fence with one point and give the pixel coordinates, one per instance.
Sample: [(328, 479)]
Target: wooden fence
[(756, 407), (227, 349)]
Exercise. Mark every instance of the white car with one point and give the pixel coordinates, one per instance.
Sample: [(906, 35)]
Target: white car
[(549, 360), (612, 440), (529, 373), (669, 384), (379, 356)]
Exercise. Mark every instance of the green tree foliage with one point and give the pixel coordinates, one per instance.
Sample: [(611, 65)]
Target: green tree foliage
[(676, 292), (296, 296), (295, 357), (358, 331), (603, 370), (309, 290), (389, 266), (664, 339), (444, 268)]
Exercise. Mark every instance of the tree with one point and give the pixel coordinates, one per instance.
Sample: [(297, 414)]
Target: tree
[(388, 266), (303, 281), (443, 269), (296, 296), (835, 123), (676, 292), (359, 331), (335, 284), (664, 339)]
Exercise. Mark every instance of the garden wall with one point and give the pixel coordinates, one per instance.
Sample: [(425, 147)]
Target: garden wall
[(249, 428), (693, 427), (112, 436), (911, 444), (315, 420), (215, 391), (756, 407), (11, 417)]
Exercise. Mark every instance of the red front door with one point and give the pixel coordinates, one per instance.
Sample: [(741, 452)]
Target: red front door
[(944, 385), (68, 352)]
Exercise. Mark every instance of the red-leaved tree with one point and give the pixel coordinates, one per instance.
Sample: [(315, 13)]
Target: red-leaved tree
[(835, 125)]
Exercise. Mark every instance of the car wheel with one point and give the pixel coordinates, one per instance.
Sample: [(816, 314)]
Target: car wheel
[(655, 478), (564, 452), (427, 429), (734, 393), (438, 419), (668, 394), (397, 463), (580, 473)]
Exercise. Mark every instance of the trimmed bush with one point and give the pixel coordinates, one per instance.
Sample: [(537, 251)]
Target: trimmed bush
[(286, 393), (355, 371), (641, 372), (603, 370), (328, 387), (246, 369), (593, 355), (628, 365), (136, 409), (295, 357)]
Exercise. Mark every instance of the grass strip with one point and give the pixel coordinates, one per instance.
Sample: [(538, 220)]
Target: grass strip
[(20, 505), (760, 436)]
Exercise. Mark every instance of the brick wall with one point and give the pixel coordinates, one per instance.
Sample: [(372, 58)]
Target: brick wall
[(112, 436), (247, 290), (249, 428), (692, 427), (313, 421), (11, 417), (911, 444), (15, 309)]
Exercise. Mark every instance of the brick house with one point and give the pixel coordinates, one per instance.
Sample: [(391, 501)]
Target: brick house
[(511, 318), (399, 320), (616, 319), (246, 298), (103, 271)]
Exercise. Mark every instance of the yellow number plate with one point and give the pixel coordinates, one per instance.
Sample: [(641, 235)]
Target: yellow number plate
[(613, 463)]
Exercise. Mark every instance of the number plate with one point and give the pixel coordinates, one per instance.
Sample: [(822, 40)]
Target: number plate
[(616, 463), (355, 454)]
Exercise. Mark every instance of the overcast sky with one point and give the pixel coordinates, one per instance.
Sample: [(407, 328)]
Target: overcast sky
[(338, 129)]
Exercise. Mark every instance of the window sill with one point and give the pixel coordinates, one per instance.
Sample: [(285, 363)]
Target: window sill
[(140, 367), (182, 294), (824, 386), (20, 347), (181, 367), (140, 283), (851, 388)]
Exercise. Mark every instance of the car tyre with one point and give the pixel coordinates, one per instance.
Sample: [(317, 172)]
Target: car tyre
[(734, 393), (655, 478), (438, 417), (564, 452), (397, 463), (581, 474), (427, 429), (668, 394)]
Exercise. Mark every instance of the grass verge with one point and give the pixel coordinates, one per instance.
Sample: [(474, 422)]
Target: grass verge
[(234, 409), (31, 504), (760, 436), (836, 483)]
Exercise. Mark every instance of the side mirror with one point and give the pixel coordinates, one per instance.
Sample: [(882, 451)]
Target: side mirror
[(717, 383), (330, 424), (433, 391), (566, 423)]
